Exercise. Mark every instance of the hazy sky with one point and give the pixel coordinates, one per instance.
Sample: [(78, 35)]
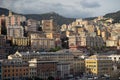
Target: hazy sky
[(67, 8)]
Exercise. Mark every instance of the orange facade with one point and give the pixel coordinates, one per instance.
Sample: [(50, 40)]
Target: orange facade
[(14, 70)]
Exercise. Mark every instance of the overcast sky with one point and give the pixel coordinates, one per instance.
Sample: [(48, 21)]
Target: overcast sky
[(67, 8)]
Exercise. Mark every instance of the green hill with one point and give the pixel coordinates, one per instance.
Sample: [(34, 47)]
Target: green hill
[(58, 18), (115, 16)]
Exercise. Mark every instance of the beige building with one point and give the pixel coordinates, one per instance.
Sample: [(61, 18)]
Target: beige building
[(77, 41), (10, 20), (56, 37), (36, 35), (111, 43), (49, 26), (38, 41), (42, 43), (14, 31), (64, 27), (90, 28)]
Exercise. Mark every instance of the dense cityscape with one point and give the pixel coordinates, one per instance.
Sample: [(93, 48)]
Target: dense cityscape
[(43, 50)]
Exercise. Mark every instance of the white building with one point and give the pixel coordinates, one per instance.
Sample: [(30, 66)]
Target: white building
[(32, 68), (115, 58)]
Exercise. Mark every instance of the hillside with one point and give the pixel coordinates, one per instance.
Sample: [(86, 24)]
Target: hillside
[(4, 11), (58, 18), (115, 16)]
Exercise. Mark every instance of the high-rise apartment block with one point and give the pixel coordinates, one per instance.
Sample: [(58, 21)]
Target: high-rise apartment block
[(14, 31), (49, 26)]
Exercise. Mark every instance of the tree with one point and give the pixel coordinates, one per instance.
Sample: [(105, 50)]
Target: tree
[(55, 49)]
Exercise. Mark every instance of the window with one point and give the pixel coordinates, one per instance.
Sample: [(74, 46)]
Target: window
[(16, 70), (4, 75), (8, 70), (5, 70), (8, 75), (16, 74)]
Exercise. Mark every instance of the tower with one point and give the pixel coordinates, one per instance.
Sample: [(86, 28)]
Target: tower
[(10, 13)]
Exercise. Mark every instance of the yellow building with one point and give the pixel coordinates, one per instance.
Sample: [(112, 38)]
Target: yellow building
[(49, 35), (22, 41), (98, 65), (98, 32)]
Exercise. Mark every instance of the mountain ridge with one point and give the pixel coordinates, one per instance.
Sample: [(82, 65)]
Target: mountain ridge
[(114, 15), (58, 18)]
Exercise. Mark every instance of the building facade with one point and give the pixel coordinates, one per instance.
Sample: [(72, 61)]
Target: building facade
[(49, 26), (42, 44), (21, 41), (63, 69), (12, 20), (14, 69), (14, 31), (42, 68), (77, 66), (94, 42), (76, 41), (98, 65), (32, 25)]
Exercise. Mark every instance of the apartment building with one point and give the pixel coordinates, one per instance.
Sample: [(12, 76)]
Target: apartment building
[(77, 66), (49, 26), (98, 65), (58, 56), (14, 69), (32, 25), (94, 41), (12, 20), (21, 41), (63, 69), (76, 41), (42, 68), (14, 31)]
